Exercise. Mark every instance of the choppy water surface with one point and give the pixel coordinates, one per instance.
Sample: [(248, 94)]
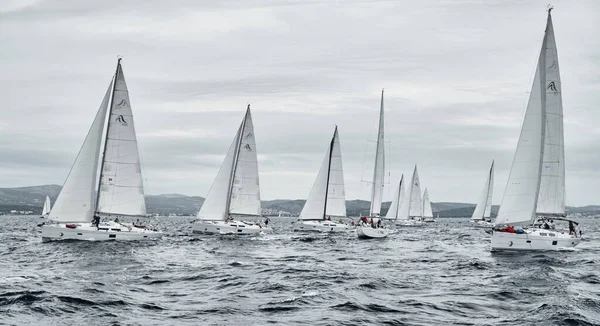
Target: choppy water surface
[(441, 274)]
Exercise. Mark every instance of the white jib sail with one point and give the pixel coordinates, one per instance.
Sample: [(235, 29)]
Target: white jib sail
[(551, 199), (330, 193), (215, 204), (379, 169), (77, 199), (245, 189), (484, 205), (392, 213), (46, 208), (427, 210), (520, 196), (121, 186)]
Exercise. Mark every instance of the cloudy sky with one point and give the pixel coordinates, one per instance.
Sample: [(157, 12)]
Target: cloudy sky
[(456, 75)]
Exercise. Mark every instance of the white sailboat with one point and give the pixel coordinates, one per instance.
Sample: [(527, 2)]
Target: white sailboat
[(535, 193), (120, 193), (46, 208), (481, 217), (411, 210), (392, 212), (235, 191), (427, 209), (326, 201), (376, 229)]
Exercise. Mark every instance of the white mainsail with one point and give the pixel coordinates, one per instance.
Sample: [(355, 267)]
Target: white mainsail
[(416, 206), (392, 213), (327, 196), (47, 205), (245, 189), (235, 190), (427, 210), (484, 205), (77, 199), (121, 186), (520, 198), (551, 199), (379, 169)]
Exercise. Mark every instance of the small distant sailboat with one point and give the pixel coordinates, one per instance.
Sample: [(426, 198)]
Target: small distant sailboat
[(482, 215), (120, 191), (46, 208), (411, 210), (427, 210), (392, 213), (326, 201), (235, 191), (376, 229), (535, 193)]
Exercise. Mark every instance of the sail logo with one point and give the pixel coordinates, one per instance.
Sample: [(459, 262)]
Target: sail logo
[(552, 87), (121, 120), (552, 66), (123, 103), (248, 135), (248, 148)]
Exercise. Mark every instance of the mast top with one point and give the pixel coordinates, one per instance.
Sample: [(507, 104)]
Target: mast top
[(550, 7)]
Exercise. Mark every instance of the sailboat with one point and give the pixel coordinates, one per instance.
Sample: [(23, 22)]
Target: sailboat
[(427, 210), (392, 212), (236, 190), (376, 229), (411, 210), (117, 192), (482, 215), (535, 193), (326, 201), (46, 208)]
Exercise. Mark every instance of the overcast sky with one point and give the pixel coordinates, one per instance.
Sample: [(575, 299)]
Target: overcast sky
[(456, 75)]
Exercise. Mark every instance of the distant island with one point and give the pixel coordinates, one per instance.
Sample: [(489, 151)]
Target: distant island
[(25, 200)]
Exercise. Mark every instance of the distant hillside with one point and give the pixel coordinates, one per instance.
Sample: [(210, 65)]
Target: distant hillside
[(32, 198)]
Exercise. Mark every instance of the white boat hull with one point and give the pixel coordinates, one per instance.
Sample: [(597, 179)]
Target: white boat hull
[(368, 232), (429, 220), (409, 223), (482, 224), (229, 227), (105, 232), (533, 240), (321, 226)]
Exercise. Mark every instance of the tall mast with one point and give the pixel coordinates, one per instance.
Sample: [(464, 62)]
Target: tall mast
[(112, 98), (329, 172), (235, 161)]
